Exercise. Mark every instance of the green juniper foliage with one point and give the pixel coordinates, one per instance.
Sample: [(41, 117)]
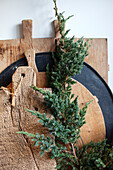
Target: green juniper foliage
[(67, 117)]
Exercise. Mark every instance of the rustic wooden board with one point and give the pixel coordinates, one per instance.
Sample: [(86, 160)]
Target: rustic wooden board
[(16, 150), (98, 57), (12, 50)]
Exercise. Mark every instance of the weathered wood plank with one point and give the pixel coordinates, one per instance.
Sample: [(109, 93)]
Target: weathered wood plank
[(98, 56), (16, 150)]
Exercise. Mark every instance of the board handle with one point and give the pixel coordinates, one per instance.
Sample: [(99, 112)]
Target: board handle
[(41, 77)]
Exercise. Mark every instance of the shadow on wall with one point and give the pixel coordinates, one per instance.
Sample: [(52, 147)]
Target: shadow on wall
[(19, 31)]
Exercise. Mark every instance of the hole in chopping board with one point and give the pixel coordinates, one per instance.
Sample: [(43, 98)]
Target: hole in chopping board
[(23, 74), (36, 108)]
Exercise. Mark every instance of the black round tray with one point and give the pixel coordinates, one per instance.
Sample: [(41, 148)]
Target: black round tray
[(89, 77)]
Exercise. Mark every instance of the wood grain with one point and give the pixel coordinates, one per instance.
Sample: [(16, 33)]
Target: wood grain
[(41, 77), (14, 151), (98, 56), (17, 150)]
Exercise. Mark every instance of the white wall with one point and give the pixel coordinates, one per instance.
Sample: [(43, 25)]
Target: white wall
[(92, 18)]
